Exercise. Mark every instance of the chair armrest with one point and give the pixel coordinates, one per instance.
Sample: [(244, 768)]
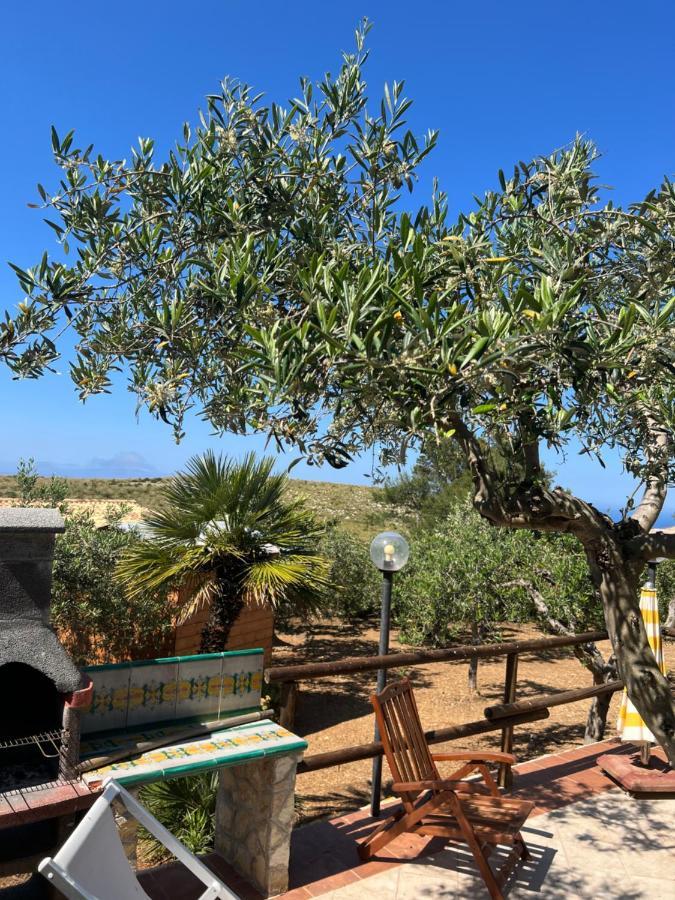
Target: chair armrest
[(404, 787), (481, 756)]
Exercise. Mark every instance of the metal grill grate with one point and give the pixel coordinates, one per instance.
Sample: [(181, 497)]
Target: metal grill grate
[(34, 788), (48, 738), (49, 769)]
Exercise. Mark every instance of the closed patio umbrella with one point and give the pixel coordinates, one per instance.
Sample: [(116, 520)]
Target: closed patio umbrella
[(630, 725)]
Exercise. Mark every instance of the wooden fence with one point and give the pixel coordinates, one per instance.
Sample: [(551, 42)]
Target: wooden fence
[(503, 717)]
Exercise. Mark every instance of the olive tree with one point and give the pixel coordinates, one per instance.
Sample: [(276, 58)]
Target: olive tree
[(265, 273), (465, 573)]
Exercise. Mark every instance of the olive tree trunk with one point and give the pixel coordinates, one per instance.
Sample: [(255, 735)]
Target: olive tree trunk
[(617, 553), (596, 722), (618, 583), (588, 655), (473, 662)]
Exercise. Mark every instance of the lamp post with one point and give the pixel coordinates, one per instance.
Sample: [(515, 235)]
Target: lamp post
[(389, 551)]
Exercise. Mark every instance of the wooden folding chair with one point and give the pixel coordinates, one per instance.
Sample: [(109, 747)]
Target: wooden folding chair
[(468, 811)]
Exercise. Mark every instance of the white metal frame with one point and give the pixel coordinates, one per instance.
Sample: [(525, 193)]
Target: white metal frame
[(56, 872)]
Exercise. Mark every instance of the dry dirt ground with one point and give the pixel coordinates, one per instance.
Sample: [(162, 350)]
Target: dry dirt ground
[(335, 712)]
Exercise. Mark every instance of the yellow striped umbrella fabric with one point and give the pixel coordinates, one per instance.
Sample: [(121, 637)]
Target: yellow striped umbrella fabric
[(630, 725)]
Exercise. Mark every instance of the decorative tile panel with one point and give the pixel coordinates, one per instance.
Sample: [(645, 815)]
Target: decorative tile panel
[(152, 694), (199, 686), (110, 700), (242, 683), (203, 687)]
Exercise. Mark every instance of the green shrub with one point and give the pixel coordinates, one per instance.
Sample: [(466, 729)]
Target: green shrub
[(90, 609), (466, 574), (354, 584), (36, 491), (665, 585), (187, 807)]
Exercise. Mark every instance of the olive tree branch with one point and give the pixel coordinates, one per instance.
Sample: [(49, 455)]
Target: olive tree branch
[(656, 484)]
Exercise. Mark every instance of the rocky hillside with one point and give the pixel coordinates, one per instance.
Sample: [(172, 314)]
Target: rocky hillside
[(353, 506)]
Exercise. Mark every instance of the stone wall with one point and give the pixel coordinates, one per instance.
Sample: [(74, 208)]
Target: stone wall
[(254, 820)]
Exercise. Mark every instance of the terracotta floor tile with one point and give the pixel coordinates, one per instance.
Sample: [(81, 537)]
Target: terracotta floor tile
[(375, 866), (539, 811), (303, 872), (532, 765), (324, 855), (594, 781), (342, 879)]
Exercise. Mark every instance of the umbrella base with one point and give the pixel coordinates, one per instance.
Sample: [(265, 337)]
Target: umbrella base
[(657, 779)]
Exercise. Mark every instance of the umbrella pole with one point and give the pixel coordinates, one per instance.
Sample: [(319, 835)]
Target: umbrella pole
[(646, 747)]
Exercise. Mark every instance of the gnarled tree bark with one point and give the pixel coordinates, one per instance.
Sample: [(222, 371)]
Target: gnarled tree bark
[(616, 553), (670, 617)]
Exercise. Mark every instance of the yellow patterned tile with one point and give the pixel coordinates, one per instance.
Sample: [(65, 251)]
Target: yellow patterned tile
[(136, 694), (120, 698), (215, 684)]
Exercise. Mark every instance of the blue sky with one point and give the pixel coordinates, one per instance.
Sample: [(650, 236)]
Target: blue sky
[(502, 82)]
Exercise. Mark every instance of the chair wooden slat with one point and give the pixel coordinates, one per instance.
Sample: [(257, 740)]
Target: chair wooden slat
[(425, 765), (415, 762), (482, 818), (395, 734)]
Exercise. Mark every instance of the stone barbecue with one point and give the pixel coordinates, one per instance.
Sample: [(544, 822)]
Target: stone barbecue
[(41, 689)]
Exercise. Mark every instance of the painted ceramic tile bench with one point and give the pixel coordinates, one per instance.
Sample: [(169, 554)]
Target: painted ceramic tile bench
[(150, 703), (232, 746)]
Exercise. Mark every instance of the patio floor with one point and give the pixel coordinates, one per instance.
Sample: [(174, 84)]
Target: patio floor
[(586, 836), (606, 845)]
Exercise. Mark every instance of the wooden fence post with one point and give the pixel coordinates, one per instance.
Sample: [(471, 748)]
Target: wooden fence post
[(510, 684), (287, 703)]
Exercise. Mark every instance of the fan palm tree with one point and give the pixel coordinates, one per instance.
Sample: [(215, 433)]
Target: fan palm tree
[(227, 534)]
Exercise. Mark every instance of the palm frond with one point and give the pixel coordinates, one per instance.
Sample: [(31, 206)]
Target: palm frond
[(149, 566), (277, 578), (220, 511), (201, 597)]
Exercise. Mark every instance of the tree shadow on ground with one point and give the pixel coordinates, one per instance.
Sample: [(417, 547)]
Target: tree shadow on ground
[(317, 807), (529, 744), (322, 703), (326, 642)]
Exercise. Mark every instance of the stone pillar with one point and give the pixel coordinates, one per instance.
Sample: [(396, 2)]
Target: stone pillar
[(254, 819)]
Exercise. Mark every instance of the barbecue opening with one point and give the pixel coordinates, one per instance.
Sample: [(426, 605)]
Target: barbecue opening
[(30, 726)]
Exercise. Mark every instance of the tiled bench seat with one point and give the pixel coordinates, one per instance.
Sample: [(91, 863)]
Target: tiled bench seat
[(134, 695), (256, 762), (230, 747)]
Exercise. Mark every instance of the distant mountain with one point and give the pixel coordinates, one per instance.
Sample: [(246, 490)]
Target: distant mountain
[(126, 464)]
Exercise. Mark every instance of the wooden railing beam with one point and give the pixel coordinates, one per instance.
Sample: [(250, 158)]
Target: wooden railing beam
[(353, 664), (437, 736), (506, 710)]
